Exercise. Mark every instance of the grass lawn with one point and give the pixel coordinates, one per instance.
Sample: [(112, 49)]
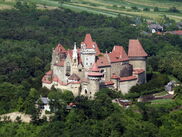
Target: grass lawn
[(161, 93), (162, 101)]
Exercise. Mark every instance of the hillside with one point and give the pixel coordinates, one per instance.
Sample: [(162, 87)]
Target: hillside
[(27, 37), (151, 9)]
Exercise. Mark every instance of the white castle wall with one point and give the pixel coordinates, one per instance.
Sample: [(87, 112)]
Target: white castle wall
[(49, 86)]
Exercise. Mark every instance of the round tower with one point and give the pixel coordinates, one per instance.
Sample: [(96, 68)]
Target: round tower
[(137, 56), (94, 80)]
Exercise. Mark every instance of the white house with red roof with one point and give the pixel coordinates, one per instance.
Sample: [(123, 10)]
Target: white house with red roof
[(85, 70)]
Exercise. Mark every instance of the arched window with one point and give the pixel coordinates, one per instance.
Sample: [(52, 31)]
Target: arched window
[(85, 91), (68, 69)]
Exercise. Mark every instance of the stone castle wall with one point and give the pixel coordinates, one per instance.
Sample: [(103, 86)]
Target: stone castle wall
[(125, 86)]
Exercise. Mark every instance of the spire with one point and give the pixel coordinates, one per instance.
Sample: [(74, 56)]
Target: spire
[(75, 56)]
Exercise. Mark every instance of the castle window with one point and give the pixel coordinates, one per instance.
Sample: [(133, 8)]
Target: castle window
[(85, 91), (102, 71), (80, 70), (68, 69)]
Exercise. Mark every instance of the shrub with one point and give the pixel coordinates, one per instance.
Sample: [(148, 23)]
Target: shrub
[(146, 9), (156, 9), (134, 8), (173, 9)]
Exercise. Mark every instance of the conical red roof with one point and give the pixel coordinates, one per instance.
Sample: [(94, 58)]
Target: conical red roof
[(136, 49), (88, 39), (95, 71), (95, 68)]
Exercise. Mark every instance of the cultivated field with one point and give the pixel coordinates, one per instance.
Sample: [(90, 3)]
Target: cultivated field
[(144, 8)]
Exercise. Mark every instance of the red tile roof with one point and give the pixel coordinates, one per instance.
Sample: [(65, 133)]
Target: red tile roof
[(45, 80), (49, 72), (118, 54), (122, 79), (138, 71), (102, 61), (90, 44), (74, 77), (177, 32), (95, 68), (136, 49), (60, 48), (74, 82), (108, 83), (115, 76), (55, 79), (95, 74)]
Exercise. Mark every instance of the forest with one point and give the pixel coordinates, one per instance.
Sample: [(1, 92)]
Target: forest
[(27, 36)]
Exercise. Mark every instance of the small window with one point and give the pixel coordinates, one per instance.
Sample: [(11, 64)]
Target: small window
[(85, 91), (86, 63), (80, 70), (102, 71)]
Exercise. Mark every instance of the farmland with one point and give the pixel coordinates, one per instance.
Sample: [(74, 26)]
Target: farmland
[(143, 8)]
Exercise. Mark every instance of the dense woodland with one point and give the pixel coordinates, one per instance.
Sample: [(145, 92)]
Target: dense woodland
[(27, 37)]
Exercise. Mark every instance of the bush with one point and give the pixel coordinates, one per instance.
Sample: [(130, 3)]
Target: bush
[(134, 8), (146, 9), (173, 9), (156, 9)]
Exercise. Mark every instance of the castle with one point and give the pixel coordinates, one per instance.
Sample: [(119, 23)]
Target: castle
[(85, 70)]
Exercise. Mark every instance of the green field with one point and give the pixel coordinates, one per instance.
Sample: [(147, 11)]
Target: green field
[(112, 7)]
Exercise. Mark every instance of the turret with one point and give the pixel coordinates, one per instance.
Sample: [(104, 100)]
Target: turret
[(94, 80), (137, 55), (75, 60)]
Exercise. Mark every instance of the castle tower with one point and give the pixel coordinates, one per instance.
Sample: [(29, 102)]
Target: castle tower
[(137, 55), (75, 60), (88, 51), (58, 54), (94, 80)]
